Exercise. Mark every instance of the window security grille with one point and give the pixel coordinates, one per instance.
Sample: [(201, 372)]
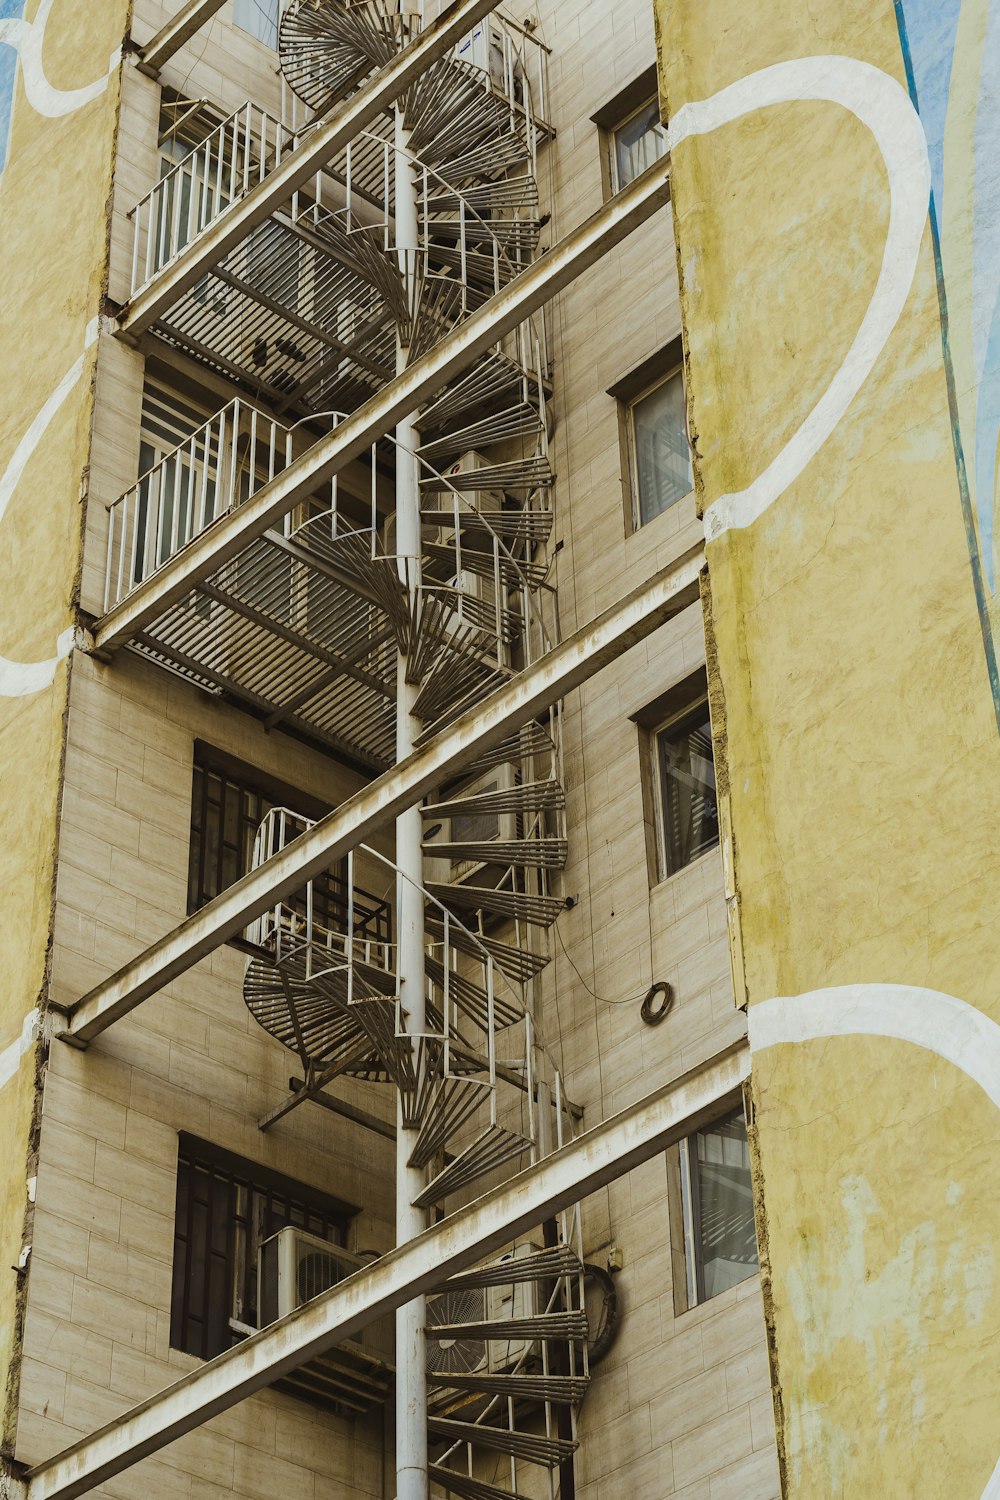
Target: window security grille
[(226, 1208)]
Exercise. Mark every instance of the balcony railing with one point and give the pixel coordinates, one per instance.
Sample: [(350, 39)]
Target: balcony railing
[(240, 152), (221, 464), (332, 914)]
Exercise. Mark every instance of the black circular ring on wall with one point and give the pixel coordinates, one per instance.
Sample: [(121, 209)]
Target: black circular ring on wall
[(658, 1004)]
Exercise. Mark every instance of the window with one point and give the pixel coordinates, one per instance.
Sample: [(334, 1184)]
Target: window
[(684, 786), (636, 143), (631, 132), (259, 18), (656, 455), (720, 1242), (659, 453), (226, 1208)]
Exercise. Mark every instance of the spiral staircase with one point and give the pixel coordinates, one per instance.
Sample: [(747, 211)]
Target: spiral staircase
[(313, 311)]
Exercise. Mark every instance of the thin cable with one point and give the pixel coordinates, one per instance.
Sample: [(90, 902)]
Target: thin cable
[(629, 1000)]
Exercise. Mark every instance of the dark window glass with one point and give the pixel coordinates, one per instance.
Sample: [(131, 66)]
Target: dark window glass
[(226, 1208), (720, 1234), (688, 801)]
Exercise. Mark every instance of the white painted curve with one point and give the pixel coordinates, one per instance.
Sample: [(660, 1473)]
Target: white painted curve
[(939, 1023), (885, 108), (21, 679), (28, 38)]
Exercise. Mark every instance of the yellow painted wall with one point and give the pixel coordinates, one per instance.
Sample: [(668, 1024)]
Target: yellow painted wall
[(54, 191), (858, 736)]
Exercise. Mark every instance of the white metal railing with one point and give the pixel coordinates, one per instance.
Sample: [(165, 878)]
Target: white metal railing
[(220, 465), (240, 152), (333, 918)]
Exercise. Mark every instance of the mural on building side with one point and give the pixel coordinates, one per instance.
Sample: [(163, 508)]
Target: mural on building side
[(59, 92), (836, 191)]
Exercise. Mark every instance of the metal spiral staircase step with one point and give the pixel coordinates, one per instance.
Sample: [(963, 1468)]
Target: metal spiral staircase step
[(459, 679), (451, 111), (518, 527), (470, 998), (533, 1448), (542, 853), (554, 1325), (527, 796), (300, 1016), (520, 906), (489, 1151), (469, 1488), (517, 962), (560, 1390), (455, 1102), (522, 475), (485, 565), (494, 380), (519, 421), (560, 1260), (376, 1015), (531, 742), (492, 197)]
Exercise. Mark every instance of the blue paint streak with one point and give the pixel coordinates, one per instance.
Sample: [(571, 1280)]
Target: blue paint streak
[(986, 285), (9, 10), (931, 30), (926, 67)]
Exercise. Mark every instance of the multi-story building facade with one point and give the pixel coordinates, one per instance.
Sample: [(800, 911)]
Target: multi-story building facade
[(374, 914)]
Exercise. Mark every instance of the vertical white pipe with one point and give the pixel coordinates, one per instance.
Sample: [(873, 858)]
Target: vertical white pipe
[(411, 1359)]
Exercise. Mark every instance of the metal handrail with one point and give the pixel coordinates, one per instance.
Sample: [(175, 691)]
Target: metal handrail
[(215, 174)]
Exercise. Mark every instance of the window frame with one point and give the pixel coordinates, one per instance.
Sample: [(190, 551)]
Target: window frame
[(633, 450), (640, 382), (668, 709), (656, 734), (612, 133), (616, 113), (687, 1253), (243, 1181)]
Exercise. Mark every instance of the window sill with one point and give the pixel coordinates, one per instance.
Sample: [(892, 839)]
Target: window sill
[(694, 864)]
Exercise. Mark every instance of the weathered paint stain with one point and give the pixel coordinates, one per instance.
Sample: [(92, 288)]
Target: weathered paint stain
[(854, 715)]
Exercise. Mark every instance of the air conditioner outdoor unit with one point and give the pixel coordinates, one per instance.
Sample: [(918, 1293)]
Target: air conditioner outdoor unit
[(469, 463), (472, 828), (483, 48), (293, 1267), (461, 1356)]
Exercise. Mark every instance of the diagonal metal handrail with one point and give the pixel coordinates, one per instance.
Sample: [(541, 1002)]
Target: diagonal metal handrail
[(582, 248), (480, 729), (332, 135)]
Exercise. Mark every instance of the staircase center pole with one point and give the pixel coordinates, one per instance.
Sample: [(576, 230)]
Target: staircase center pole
[(411, 1359)]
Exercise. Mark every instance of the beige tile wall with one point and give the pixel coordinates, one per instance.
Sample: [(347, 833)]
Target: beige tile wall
[(681, 1405), (193, 1059)]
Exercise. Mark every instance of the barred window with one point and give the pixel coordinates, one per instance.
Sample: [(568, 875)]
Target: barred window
[(226, 1208)]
